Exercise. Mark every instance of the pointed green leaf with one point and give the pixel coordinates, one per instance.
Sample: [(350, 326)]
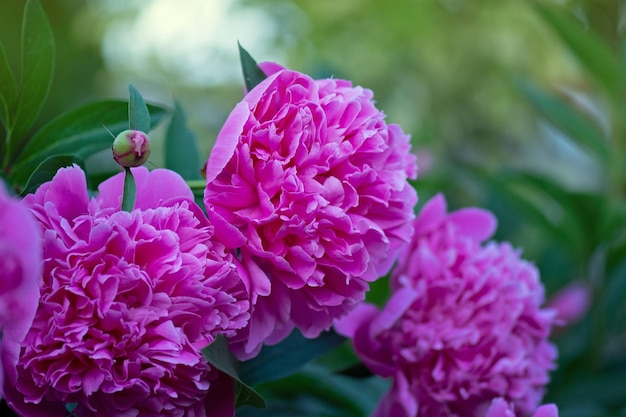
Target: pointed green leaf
[(81, 132), (181, 148), (138, 114), (8, 89), (37, 68), (576, 126), (593, 53), (252, 74), (47, 170), (219, 356), (288, 356)]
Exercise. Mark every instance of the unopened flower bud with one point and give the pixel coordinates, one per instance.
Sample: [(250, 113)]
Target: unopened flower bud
[(131, 148)]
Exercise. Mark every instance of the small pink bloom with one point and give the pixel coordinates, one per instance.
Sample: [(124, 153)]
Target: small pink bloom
[(128, 299), (20, 272), (571, 303), (316, 180), (464, 323)]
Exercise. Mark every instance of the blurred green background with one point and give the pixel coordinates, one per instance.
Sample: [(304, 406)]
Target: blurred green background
[(515, 106)]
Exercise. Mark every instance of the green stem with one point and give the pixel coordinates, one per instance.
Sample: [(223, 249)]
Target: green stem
[(7, 150), (130, 191), (197, 186)]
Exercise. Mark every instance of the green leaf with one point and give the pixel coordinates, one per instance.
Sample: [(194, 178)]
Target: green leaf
[(138, 114), (130, 191), (576, 126), (349, 396), (288, 356), (181, 148), (48, 169), (252, 74), (219, 356), (593, 53), (37, 68), (8, 89), (81, 132), (542, 203)]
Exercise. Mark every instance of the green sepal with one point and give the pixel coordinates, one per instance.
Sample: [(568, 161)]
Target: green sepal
[(252, 74)]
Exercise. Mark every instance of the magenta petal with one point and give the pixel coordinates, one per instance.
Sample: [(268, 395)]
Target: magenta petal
[(363, 313), (571, 302), (499, 408), (270, 68), (226, 141), (475, 223), (431, 215), (153, 188), (67, 191), (548, 410), (398, 303)]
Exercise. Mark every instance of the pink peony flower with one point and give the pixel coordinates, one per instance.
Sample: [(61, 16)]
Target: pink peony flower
[(309, 172), (20, 272), (128, 300), (500, 408), (464, 324)]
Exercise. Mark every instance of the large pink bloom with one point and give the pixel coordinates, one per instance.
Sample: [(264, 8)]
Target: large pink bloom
[(127, 302), (20, 272), (309, 172), (464, 324)]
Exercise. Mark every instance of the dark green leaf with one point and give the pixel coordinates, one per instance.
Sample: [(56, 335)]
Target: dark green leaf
[(81, 132), (37, 68), (47, 170), (543, 203), (219, 356), (594, 54), (181, 148), (288, 356), (576, 126), (350, 396), (252, 74), (8, 89), (130, 191), (138, 114)]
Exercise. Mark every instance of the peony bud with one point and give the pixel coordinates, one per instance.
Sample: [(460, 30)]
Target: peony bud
[(131, 148)]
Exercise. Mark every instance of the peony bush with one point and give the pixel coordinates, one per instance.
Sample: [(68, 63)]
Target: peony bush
[(300, 275)]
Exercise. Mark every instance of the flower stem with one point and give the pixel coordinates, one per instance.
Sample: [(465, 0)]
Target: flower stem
[(130, 191)]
